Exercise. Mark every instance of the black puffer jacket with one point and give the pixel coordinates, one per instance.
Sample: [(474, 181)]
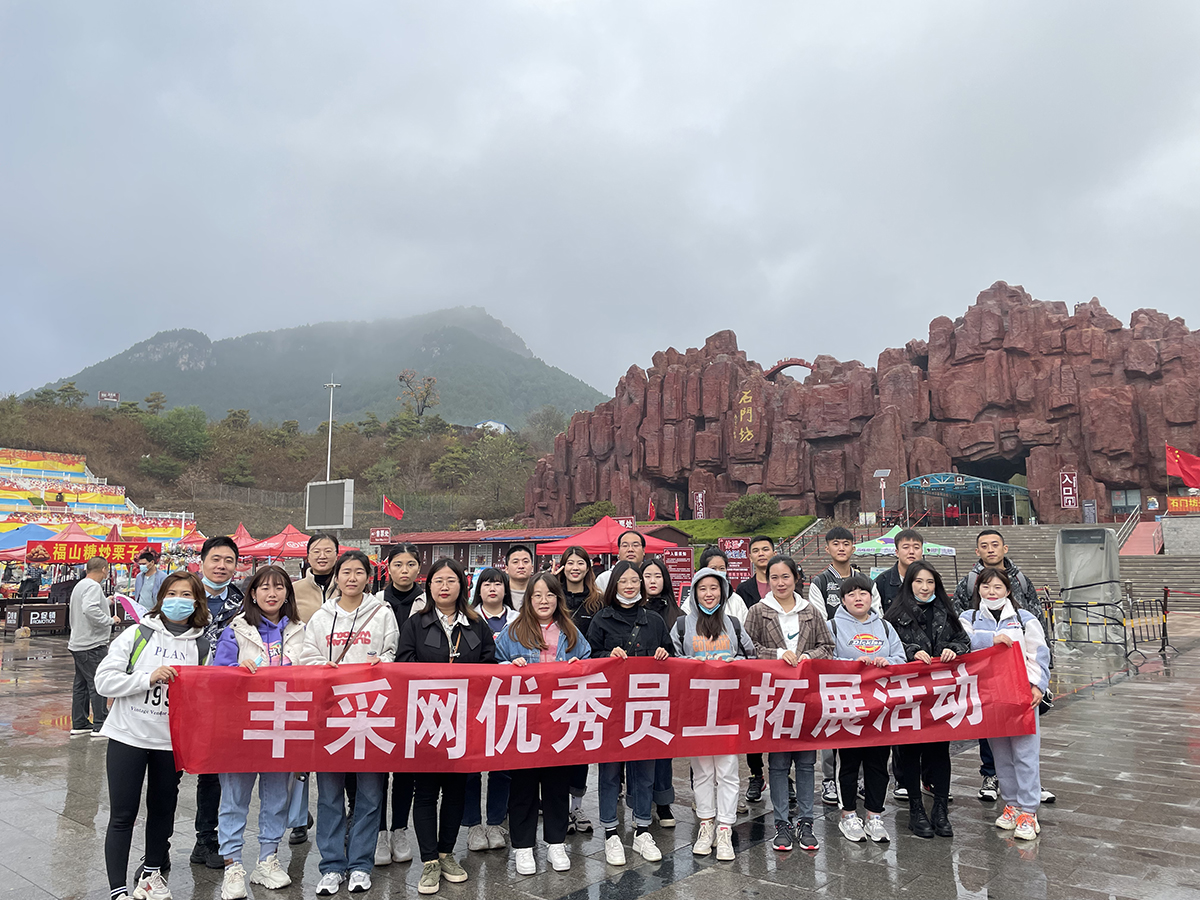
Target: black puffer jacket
[(666, 607), (910, 622), (613, 627)]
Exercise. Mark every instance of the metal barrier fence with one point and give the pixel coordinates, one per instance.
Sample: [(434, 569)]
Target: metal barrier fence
[(1136, 626)]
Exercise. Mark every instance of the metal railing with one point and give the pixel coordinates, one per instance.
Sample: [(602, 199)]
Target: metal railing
[(1136, 626), (1128, 526)]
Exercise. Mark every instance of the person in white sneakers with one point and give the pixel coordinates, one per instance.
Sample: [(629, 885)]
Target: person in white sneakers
[(351, 627), (993, 619), (135, 674), (707, 633), (542, 632), (265, 635)]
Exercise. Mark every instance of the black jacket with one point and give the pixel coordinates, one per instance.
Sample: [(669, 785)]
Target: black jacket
[(613, 627), (666, 607), (910, 627), (888, 584), (402, 603), (422, 639), (748, 590), (234, 604), (575, 605)]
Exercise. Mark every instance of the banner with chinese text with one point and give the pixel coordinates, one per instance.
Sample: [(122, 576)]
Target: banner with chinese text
[(473, 718), (77, 552)]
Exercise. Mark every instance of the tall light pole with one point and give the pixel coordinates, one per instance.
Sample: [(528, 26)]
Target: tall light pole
[(329, 449)]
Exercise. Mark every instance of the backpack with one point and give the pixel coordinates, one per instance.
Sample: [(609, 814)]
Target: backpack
[(1047, 702), (681, 623), (144, 634)]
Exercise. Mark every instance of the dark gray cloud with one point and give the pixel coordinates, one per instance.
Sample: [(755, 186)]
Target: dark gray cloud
[(607, 178)]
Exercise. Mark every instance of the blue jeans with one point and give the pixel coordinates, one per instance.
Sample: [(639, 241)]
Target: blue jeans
[(664, 782), (236, 789), (778, 766), (359, 855), (639, 784), (298, 803), (497, 798)]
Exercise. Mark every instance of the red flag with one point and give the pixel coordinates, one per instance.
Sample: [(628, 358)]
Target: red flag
[(676, 507), (650, 511), (1183, 465), (391, 509)]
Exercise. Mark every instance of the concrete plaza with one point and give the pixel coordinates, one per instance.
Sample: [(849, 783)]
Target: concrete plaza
[(1121, 750)]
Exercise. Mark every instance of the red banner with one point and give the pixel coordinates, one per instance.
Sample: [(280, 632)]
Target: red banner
[(476, 718), (76, 552)]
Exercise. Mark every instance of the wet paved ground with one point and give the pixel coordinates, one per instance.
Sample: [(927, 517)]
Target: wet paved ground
[(1121, 750)]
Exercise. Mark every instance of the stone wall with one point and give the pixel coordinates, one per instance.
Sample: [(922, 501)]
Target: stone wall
[(1181, 535), (1013, 378)]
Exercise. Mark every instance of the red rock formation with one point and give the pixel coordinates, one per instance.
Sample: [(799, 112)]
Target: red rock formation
[(1014, 378)]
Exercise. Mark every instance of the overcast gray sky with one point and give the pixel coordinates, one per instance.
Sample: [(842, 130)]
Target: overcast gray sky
[(607, 178)]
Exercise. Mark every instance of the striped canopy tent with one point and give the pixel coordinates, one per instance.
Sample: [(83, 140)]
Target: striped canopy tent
[(885, 545)]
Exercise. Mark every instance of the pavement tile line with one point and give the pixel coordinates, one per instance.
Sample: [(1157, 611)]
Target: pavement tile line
[(1116, 749)]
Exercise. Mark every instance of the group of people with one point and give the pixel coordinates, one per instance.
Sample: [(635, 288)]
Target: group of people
[(518, 617)]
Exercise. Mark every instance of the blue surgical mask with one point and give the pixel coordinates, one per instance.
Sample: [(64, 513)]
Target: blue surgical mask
[(142, 567), (930, 600), (212, 585), (704, 609), (178, 609)]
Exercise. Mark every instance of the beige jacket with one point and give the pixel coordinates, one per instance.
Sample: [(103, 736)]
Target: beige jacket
[(310, 597)]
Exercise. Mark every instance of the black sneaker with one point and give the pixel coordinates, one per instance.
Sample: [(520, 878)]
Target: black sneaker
[(200, 854), (755, 789), (300, 835), (805, 837), (666, 818), (783, 836)]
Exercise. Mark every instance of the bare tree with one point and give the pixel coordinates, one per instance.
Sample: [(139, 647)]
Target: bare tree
[(420, 393)]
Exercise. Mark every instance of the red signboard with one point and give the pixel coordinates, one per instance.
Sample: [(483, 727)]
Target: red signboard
[(437, 717), (699, 505), (109, 397), (626, 521), (381, 536), (77, 552), (681, 567), (1068, 485), (738, 552), (1183, 504)]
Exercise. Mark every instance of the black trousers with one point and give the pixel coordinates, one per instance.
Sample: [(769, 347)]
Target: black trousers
[(437, 830), (755, 762), (83, 692), (898, 769), (127, 770), (208, 804), (873, 762), (930, 760), (578, 780), (548, 788), (402, 799)]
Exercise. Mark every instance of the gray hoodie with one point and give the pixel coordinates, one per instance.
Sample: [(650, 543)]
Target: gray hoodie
[(874, 637), (733, 644)]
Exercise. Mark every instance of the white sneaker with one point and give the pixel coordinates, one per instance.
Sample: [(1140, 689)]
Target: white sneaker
[(1008, 819), (152, 887), (383, 849), (330, 884), (525, 863), (614, 851), (233, 885), (477, 838), (724, 843), (876, 831), (704, 838), (401, 848), (497, 837), (644, 845), (359, 882), (1027, 827), (556, 855), (270, 874), (852, 827)]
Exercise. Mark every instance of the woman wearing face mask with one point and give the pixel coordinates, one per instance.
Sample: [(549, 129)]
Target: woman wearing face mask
[(493, 601), (583, 601), (992, 619), (136, 673), (446, 631), (660, 599), (707, 633), (924, 618), (625, 627), (404, 594), (542, 632), (352, 627), (264, 635)]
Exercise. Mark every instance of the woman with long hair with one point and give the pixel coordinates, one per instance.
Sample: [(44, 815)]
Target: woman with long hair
[(447, 630), (542, 632), (624, 627), (139, 668), (928, 626), (660, 599)]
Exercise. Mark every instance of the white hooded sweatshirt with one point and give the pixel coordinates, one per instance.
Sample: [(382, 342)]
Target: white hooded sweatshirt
[(139, 712), (331, 626)]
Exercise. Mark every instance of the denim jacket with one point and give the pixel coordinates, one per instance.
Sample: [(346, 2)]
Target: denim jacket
[(508, 649)]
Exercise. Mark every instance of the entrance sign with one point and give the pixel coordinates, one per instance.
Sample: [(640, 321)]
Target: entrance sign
[(1068, 486)]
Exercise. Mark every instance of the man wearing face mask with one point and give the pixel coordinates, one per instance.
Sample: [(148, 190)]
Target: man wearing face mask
[(149, 579), (218, 565), (318, 585)]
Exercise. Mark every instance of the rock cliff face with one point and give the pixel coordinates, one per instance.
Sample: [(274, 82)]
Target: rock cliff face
[(1015, 384)]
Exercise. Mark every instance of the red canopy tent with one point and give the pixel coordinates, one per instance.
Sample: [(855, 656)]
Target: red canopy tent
[(195, 539), (114, 536), (74, 534), (242, 538), (600, 538), (290, 543)]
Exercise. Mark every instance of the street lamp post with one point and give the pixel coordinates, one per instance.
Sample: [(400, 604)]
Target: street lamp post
[(329, 447)]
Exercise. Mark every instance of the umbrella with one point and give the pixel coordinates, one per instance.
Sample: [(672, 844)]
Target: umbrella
[(15, 539), (885, 545)]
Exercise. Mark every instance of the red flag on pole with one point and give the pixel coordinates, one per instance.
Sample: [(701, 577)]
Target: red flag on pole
[(1183, 465), (650, 511), (391, 509), (676, 507)]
